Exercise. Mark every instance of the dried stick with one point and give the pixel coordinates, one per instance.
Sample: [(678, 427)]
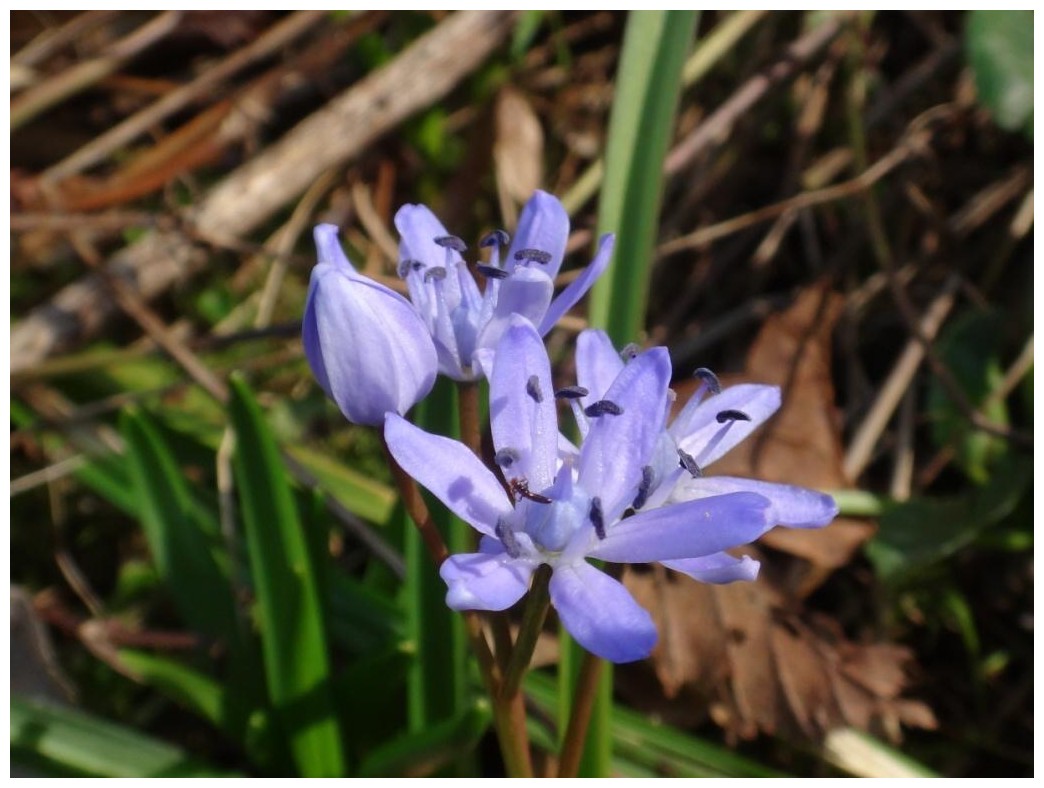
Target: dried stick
[(53, 39), (250, 195), (45, 95), (274, 39), (898, 381), (854, 186), (716, 128)]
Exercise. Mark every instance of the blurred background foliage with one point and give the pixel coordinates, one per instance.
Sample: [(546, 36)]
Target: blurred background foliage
[(210, 570)]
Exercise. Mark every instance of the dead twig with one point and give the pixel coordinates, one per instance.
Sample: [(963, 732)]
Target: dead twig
[(716, 128), (861, 447), (855, 186), (250, 195), (61, 86), (138, 124), (51, 40)]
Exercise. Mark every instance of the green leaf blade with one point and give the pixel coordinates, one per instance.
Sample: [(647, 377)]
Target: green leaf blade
[(184, 539), (648, 86), (293, 633)]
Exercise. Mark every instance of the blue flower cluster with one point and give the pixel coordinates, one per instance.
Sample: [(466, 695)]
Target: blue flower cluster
[(634, 490)]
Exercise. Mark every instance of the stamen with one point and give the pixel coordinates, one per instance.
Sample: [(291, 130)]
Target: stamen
[(437, 272), (495, 238), (506, 457), (507, 537), (405, 266), (597, 518), (630, 350), (687, 461), (536, 255), (491, 271), (710, 380), (602, 407), (644, 488), (451, 242), (571, 392), (533, 389), (732, 415)]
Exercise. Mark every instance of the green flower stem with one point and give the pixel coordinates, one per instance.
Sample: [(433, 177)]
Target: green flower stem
[(537, 603), (580, 715)]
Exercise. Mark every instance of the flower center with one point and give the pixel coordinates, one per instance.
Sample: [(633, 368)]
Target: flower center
[(551, 526)]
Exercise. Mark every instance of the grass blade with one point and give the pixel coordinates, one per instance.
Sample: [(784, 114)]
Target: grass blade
[(184, 539), (648, 84), (422, 753), (361, 495), (68, 742), (439, 678), (202, 694), (293, 634)]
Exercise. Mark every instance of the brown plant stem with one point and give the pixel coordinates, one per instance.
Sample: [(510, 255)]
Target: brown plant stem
[(509, 714), (580, 717), (468, 401), (471, 435)]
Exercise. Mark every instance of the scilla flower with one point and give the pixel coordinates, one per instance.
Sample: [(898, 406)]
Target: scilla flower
[(561, 512), (366, 345), (709, 425), (466, 323)]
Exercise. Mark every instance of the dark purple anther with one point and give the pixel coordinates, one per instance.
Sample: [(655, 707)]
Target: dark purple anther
[(507, 538), (571, 392), (506, 457), (710, 380), (630, 351), (535, 255), (602, 407), (495, 238), (732, 415), (438, 272), (597, 518), (491, 271), (644, 487), (686, 461), (451, 242), (533, 388)]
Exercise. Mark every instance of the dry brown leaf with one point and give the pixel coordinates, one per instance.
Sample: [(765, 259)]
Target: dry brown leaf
[(518, 154), (746, 653), (802, 443)]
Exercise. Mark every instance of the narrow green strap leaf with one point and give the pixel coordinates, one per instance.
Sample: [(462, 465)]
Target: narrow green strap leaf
[(184, 538), (361, 495), (438, 685), (197, 691), (289, 613), (69, 742), (425, 752), (648, 83)]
